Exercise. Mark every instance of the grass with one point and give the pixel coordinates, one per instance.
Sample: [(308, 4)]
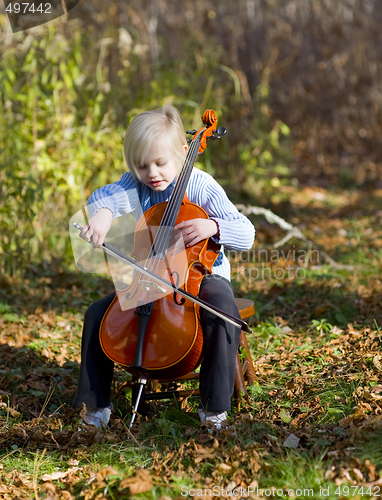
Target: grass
[(314, 344)]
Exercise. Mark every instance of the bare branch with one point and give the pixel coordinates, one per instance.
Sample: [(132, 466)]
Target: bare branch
[(292, 232)]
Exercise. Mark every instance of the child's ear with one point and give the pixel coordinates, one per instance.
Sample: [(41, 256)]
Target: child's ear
[(185, 147)]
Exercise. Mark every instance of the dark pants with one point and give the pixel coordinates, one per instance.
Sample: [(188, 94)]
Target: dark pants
[(217, 372)]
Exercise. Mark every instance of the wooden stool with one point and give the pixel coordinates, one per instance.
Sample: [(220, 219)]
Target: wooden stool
[(244, 369)]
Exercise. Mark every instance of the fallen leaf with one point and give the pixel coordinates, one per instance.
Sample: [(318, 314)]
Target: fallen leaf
[(291, 441), (358, 474), (58, 475), (139, 483), (285, 416), (73, 461), (225, 468), (54, 476), (377, 362)]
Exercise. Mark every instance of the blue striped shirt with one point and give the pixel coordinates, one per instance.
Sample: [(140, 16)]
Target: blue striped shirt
[(236, 232)]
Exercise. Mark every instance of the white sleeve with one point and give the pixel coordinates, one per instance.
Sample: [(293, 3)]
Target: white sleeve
[(236, 232), (121, 197)]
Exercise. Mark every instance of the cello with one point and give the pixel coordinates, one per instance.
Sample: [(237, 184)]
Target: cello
[(151, 330)]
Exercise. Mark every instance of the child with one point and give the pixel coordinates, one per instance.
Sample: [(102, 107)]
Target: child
[(155, 147)]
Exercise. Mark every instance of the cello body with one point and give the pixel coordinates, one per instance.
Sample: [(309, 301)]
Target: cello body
[(173, 340)]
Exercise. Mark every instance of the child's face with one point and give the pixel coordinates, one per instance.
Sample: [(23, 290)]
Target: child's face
[(159, 168)]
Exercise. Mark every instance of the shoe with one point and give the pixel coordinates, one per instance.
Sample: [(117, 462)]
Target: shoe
[(99, 417), (215, 417)]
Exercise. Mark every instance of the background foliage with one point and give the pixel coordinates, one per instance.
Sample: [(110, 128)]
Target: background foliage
[(297, 84), (69, 88)]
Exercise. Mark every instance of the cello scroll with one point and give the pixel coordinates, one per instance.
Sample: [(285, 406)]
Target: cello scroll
[(209, 119)]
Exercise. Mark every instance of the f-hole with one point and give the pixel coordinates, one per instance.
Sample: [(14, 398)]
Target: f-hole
[(182, 300)]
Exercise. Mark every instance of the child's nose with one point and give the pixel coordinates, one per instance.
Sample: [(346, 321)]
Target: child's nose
[(153, 171)]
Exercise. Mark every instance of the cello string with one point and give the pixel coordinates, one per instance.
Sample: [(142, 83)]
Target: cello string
[(168, 220), (161, 237), (170, 214), (169, 217), (179, 187)]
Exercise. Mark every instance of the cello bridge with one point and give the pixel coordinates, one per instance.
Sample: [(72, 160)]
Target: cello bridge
[(149, 285)]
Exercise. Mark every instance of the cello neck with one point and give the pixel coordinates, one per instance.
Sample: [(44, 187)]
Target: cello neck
[(170, 215)]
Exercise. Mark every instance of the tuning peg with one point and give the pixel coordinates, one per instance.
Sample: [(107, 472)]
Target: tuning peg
[(193, 132), (218, 134)]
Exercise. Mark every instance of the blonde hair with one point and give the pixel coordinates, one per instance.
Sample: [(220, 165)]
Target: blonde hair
[(147, 127)]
